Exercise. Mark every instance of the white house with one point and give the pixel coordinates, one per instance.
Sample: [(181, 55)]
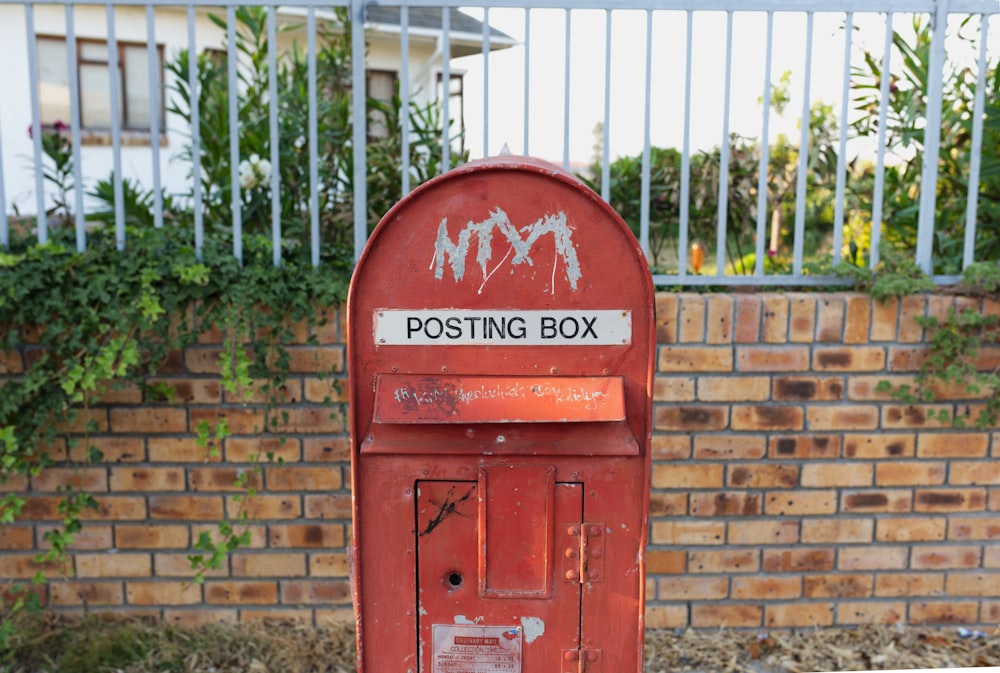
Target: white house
[(46, 25)]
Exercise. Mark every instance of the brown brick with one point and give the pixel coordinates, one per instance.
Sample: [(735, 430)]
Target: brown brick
[(788, 615), (202, 360), (827, 475), (118, 393), (665, 562), (148, 420), (16, 538), (688, 476), (719, 326), (879, 445), (733, 389), (766, 588), (186, 390), (162, 592), (248, 421), (763, 532), (263, 449), (839, 585), (731, 616), (775, 327), (11, 363), (801, 503), (990, 612), (938, 557), (197, 617), (843, 417), (952, 444), (910, 529), (85, 421), (670, 447), (915, 416), (802, 318), (909, 584), (325, 449), (848, 359), (944, 612), (144, 536), (974, 473), (265, 507), (688, 533), (327, 390), (884, 319), (223, 478), (973, 528), (729, 447), (311, 478), (666, 616), (772, 359), (725, 504), (91, 537), (329, 565), (879, 501), (673, 389), (882, 557), (972, 584), (113, 565), (90, 594), (24, 566), (871, 612), (991, 556), (186, 507), (805, 389), (910, 473), (695, 359), (667, 504), (911, 308), (691, 322), (89, 479), (805, 446), (666, 317), (690, 418), (864, 388), (950, 500), (312, 359), (830, 321), (798, 560), (318, 420), (14, 483), (746, 326), (767, 417), (692, 588), (179, 450), (113, 449), (313, 535), (230, 592), (723, 561), (326, 327), (906, 358), (763, 476), (116, 508), (135, 478), (857, 321), (317, 591), (180, 565)]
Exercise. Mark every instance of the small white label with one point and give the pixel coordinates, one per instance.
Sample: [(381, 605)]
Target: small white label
[(465, 327)]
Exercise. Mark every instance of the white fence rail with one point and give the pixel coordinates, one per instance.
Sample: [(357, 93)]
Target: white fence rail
[(580, 82)]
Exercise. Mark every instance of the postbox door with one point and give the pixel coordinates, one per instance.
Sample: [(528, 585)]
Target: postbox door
[(497, 580)]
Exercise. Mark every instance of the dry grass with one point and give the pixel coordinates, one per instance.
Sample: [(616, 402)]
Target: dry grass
[(99, 645)]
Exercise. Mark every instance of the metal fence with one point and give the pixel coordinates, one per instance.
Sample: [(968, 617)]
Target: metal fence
[(630, 77)]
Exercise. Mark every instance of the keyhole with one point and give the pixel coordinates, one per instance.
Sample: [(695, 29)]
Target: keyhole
[(455, 580)]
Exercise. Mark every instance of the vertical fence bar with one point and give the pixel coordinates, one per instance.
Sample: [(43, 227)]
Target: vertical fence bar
[(566, 87), (359, 117), (274, 133), (527, 78), (647, 115), (36, 124), (803, 167), (724, 151), (685, 205), (116, 124), (883, 111), (312, 133), (486, 81), (404, 89), (446, 87), (972, 200), (932, 139), (4, 222), (606, 130), (234, 132), (765, 150), (838, 209), (195, 92), (73, 76), (153, 62)]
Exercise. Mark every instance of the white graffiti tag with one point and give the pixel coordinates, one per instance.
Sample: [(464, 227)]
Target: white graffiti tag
[(455, 253)]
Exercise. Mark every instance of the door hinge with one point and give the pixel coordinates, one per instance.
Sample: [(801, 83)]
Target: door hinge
[(582, 660), (583, 553)]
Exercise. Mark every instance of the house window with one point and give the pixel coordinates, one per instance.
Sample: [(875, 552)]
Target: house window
[(456, 110), (381, 86), (94, 79)]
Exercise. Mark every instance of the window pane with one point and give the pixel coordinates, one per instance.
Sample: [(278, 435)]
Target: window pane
[(95, 96), (136, 87), (94, 51), (53, 81)]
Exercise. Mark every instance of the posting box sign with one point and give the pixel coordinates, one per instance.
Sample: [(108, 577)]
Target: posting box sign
[(464, 327)]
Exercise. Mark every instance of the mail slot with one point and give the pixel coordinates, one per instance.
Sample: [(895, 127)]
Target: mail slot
[(500, 352)]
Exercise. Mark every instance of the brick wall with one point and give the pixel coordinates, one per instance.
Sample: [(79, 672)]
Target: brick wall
[(786, 491)]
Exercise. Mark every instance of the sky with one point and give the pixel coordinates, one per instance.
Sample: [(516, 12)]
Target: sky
[(628, 62)]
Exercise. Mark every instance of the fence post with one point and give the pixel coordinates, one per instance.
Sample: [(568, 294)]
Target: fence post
[(360, 128)]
